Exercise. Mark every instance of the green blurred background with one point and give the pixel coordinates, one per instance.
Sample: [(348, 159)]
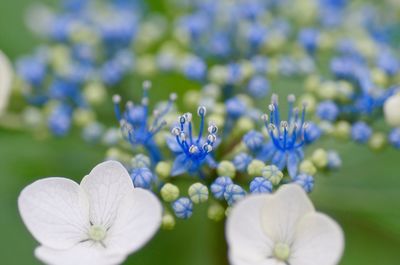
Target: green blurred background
[(364, 197)]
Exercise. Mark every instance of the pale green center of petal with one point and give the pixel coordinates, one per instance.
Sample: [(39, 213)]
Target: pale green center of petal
[(97, 233), (282, 251)]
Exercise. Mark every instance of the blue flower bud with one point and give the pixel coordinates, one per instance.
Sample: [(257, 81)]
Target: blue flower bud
[(305, 181), (241, 161), (258, 87), (260, 185), (334, 160), (60, 120), (235, 107), (327, 110), (218, 187), (394, 138), (142, 177), (93, 132), (361, 132), (233, 193), (183, 208), (253, 140), (195, 68)]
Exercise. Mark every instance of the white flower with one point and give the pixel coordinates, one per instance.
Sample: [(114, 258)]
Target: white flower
[(98, 222), (282, 229), (391, 109), (6, 77)]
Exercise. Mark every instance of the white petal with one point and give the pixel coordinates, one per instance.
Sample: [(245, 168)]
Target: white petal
[(6, 76), (281, 215), (81, 254), (106, 186), (239, 260), (248, 244), (319, 241), (56, 212), (138, 219)]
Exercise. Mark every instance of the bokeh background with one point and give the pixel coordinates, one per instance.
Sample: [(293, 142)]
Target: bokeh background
[(364, 196)]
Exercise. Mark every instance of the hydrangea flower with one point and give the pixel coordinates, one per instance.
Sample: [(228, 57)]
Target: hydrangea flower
[(192, 152), (100, 221), (138, 126), (287, 137), (282, 228), (6, 77)]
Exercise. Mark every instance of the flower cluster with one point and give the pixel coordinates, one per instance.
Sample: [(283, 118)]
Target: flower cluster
[(240, 153), (88, 50)]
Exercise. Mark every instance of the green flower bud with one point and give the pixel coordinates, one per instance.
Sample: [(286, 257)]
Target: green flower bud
[(309, 100), (247, 69), (219, 109), (308, 168), (146, 65), (216, 212), (192, 98), (163, 169), (327, 90), (218, 74), (312, 83), (342, 130), (272, 173), (114, 154), (326, 127), (320, 158), (198, 193), (244, 125), (226, 168), (168, 221), (169, 192), (83, 117), (254, 169), (95, 93), (379, 77), (377, 141), (217, 119)]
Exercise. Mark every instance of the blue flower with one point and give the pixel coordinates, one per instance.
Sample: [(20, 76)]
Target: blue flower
[(218, 187), (59, 121), (142, 177), (135, 122), (183, 208), (235, 107), (394, 138), (32, 69), (191, 153), (260, 185), (305, 181), (327, 110), (334, 160), (361, 132), (308, 38), (258, 87), (195, 69), (287, 138), (234, 193)]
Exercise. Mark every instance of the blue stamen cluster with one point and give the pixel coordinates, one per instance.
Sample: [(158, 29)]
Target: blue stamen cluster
[(191, 152), (136, 125)]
